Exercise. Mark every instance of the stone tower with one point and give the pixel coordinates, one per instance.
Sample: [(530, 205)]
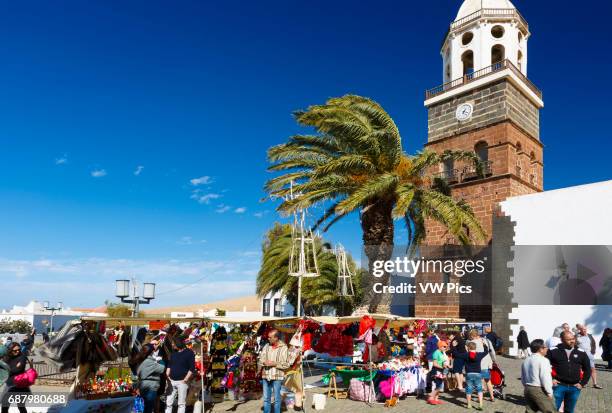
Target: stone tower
[(486, 105)]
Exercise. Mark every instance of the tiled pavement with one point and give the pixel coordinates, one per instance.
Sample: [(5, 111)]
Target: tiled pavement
[(591, 400)]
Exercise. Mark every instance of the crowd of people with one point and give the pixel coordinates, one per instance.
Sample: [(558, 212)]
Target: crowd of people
[(557, 369)]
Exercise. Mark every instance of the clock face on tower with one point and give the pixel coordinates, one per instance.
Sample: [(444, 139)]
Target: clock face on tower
[(464, 112)]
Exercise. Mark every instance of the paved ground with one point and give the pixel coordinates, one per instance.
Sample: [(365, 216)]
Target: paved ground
[(591, 400)]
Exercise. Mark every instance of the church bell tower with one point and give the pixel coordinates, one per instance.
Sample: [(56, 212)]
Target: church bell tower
[(488, 105)]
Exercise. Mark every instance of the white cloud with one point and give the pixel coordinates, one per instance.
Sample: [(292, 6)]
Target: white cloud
[(61, 160), (240, 210), (190, 241), (98, 173), (204, 198), (203, 180), (138, 170), (222, 208)]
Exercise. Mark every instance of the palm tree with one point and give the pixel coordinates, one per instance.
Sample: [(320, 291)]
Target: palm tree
[(274, 273), (355, 162)]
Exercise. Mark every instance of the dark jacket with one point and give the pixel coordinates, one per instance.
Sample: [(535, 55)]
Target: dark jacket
[(431, 345), (522, 340), (17, 365), (472, 365), (567, 371)]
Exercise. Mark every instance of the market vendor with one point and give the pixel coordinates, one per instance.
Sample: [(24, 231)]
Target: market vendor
[(374, 352)]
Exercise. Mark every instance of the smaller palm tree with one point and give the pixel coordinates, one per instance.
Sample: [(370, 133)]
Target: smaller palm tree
[(274, 275)]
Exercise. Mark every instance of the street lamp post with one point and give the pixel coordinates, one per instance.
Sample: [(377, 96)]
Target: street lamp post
[(48, 307), (132, 296)]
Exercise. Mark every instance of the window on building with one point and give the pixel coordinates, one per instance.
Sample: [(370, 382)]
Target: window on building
[(448, 168), (266, 307), (278, 310), (482, 151), (520, 60), (467, 58), (467, 38), (498, 54), (497, 31)]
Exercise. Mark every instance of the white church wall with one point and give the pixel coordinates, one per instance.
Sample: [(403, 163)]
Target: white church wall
[(577, 215)]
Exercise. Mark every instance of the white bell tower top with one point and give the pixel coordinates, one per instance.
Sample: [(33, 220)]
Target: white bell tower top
[(485, 34)]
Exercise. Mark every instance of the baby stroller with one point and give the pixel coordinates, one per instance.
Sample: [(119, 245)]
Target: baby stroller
[(498, 379)]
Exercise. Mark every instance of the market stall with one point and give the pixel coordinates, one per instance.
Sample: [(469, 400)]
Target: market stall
[(373, 357)]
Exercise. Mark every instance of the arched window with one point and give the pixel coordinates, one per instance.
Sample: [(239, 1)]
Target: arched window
[(467, 59), (520, 60), (449, 170), (447, 73), (532, 156), (482, 151), (519, 147), (498, 54)]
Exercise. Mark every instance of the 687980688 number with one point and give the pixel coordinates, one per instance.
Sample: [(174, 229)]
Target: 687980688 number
[(35, 399)]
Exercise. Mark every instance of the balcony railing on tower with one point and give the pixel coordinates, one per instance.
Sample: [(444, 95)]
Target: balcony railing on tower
[(467, 173), (490, 14), (479, 74)]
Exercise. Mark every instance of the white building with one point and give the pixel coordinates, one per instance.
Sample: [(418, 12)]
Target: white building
[(276, 305), (42, 319), (578, 215)]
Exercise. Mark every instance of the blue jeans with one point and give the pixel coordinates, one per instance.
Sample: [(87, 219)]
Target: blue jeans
[(149, 397), (568, 394), (473, 382), (268, 387)]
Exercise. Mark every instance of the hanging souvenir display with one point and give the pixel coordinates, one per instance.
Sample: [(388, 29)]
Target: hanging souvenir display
[(218, 357), (250, 385)]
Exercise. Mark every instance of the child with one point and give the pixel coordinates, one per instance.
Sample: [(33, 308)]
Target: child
[(435, 378), (472, 368)]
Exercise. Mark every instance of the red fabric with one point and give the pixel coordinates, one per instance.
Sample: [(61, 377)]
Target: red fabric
[(334, 343), (308, 327), (307, 340), (366, 323)]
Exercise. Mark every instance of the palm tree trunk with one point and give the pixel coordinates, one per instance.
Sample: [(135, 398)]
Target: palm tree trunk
[(377, 226)]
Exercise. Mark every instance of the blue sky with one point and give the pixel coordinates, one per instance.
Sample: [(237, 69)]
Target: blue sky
[(133, 134)]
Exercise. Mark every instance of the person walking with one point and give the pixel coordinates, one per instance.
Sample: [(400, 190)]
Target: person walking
[(523, 343), (273, 361), (181, 368), (149, 373), (571, 371), (536, 376), (17, 363), (586, 342), (435, 377), (458, 347), (473, 369), (606, 347), (487, 362)]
